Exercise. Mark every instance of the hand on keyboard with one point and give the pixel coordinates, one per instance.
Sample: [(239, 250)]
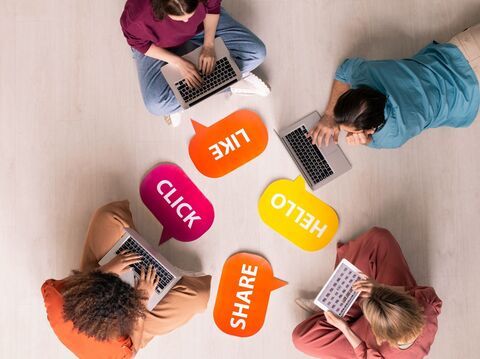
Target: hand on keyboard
[(121, 263), (206, 60), (189, 73), (148, 281), (324, 130)]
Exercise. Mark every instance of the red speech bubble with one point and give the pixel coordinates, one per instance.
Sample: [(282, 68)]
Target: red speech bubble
[(243, 294), (228, 144), (172, 197)]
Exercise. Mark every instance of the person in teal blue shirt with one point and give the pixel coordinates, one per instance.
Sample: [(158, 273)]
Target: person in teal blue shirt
[(383, 104)]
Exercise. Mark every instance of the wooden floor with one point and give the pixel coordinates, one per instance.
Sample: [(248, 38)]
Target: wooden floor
[(74, 134)]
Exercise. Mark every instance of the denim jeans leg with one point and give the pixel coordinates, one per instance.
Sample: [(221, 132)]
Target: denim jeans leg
[(157, 95), (244, 46)]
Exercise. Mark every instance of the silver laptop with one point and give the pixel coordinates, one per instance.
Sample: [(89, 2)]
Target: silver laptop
[(225, 74), (318, 165), (133, 242)]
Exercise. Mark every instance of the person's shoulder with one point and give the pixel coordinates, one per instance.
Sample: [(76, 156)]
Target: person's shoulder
[(49, 286), (136, 9), (354, 62), (53, 301), (428, 299)]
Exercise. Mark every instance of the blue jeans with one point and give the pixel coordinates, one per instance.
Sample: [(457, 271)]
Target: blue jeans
[(246, 48)]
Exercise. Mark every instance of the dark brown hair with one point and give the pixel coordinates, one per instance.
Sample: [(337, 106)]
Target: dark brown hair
[(101, 305), (394, 317), (162, 8), (362, 108)]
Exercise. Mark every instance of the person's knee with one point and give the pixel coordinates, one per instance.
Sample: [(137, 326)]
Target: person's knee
[(382, 237), (201, 294), (115, 213), (260, 51), (301, 343), (160, 103), (155, 106), (297, 339)]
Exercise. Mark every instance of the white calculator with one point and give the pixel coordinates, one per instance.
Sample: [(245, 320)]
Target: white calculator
[(337, 295)]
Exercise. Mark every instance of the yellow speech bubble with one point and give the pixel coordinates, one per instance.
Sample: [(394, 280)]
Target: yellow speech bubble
[(296, 214)]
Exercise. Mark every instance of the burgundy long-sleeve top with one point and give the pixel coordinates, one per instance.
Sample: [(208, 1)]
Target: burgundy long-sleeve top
[(142, 29)]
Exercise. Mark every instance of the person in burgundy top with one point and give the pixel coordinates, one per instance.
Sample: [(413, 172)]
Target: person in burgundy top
[(160, 31), (394, 317)]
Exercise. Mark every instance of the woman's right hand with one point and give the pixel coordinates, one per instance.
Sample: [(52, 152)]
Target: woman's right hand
[(148, 281), (324, 130), (365, 286), (189, 72), (121, 263)]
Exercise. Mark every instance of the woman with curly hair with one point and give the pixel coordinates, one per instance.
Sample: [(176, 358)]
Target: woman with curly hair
[(160, 32), (97, 315), (395, 318)]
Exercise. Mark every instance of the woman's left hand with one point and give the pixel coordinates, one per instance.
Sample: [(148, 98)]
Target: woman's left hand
[(337, 322), (206, 61)]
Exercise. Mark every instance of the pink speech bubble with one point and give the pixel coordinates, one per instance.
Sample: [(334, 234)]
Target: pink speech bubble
[(172, 197)]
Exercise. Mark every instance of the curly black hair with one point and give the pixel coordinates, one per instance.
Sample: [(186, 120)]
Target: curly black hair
[(101, 305)]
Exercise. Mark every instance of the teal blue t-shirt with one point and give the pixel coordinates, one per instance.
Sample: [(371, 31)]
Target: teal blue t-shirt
[(436, 87)]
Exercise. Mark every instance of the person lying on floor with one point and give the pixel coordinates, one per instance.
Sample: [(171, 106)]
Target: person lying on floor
[(97, 315), (394, 317), (385, 103)]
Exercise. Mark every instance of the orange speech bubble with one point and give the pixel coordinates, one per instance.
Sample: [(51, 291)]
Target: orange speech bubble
[(243, 294), (228, 144)]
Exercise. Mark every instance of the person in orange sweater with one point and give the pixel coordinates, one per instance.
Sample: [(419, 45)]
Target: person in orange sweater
[(96, 315)]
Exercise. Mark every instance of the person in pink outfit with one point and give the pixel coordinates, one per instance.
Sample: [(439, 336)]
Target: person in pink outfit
[(393, 317)]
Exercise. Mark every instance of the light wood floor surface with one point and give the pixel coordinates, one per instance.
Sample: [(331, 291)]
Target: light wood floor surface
[(74, 134)]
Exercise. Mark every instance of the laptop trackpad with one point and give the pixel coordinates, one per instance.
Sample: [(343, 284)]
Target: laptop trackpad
[(331, 148)]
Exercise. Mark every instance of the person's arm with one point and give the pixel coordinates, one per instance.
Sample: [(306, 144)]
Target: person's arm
[(147, 282), (359, 346), (326, 127), (121, 263), (137, 335), (366, 284), (206, 60), (187, 69)]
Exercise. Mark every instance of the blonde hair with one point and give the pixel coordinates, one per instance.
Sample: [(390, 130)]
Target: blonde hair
[(394, 317)]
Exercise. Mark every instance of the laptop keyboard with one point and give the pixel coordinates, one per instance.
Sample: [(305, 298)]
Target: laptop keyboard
[(222, 76), (309, 155), (165, 276)]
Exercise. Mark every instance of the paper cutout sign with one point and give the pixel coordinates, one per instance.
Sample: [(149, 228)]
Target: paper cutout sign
[(296, 214), (228, 144), (172, 197), (243, 294)]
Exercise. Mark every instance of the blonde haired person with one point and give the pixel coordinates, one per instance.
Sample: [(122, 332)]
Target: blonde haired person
[(394, 318)]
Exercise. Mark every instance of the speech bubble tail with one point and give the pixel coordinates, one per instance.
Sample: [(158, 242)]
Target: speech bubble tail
[(277, 283), (197, 126), (164, 237), (299, 181)]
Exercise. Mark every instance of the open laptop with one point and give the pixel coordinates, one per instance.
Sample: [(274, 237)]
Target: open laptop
[(133, 242), (318, 165), (225, 74)]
